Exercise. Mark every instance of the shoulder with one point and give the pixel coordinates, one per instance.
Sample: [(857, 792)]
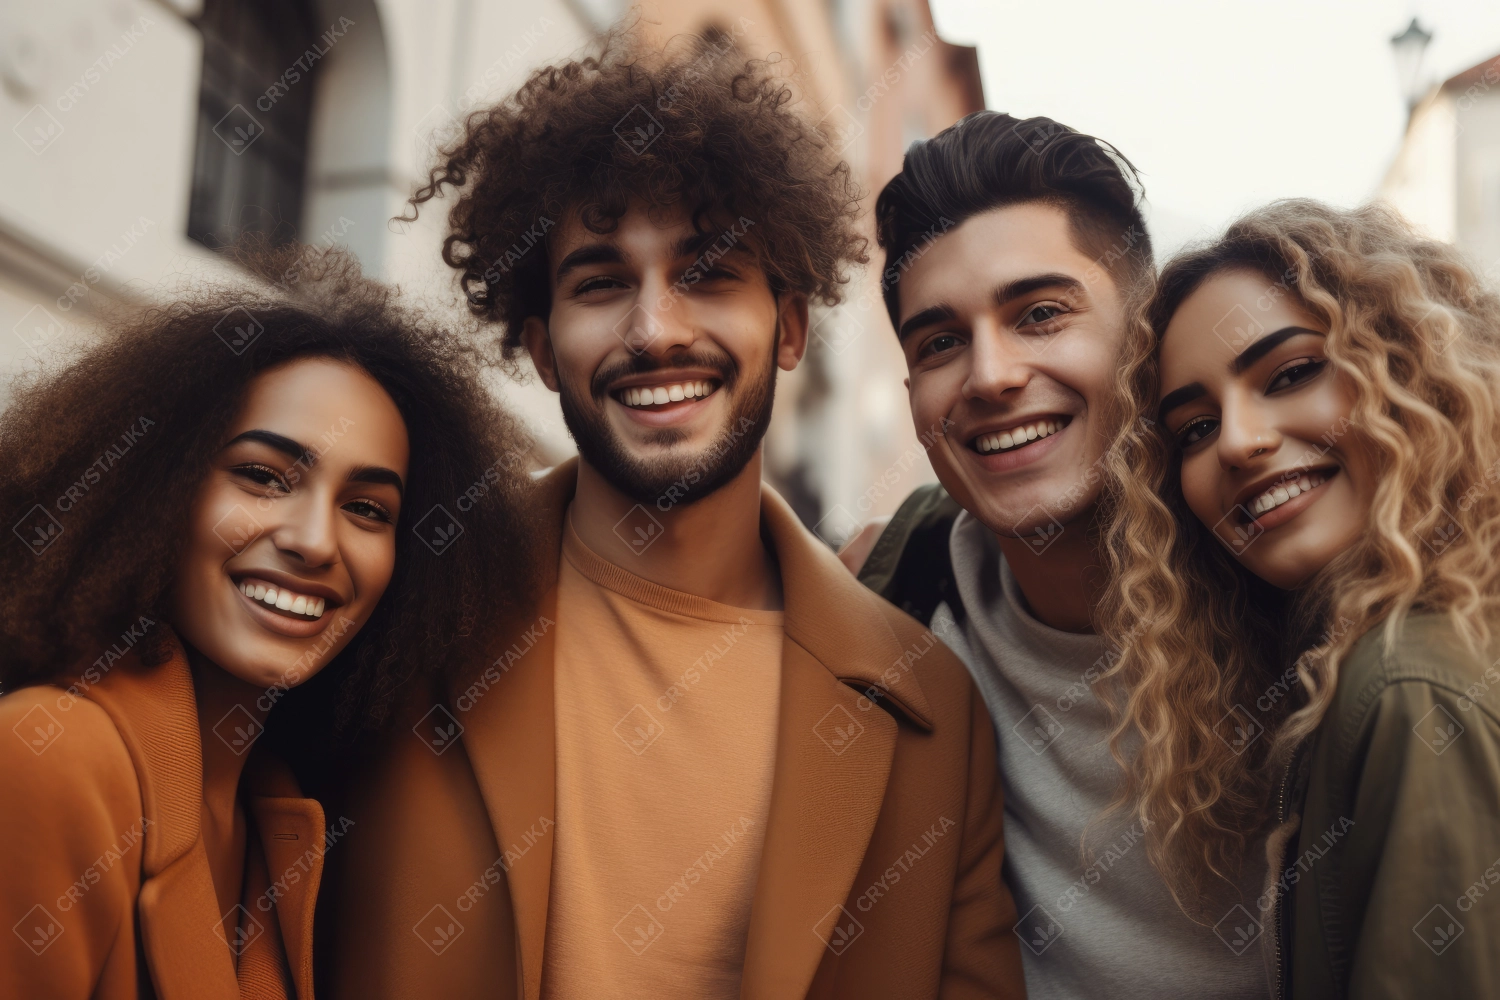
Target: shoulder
[(62, 748), (1426, 652), (942, 674)]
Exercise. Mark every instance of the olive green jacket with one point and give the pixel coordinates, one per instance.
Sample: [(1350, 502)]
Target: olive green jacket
[(1392, 886)]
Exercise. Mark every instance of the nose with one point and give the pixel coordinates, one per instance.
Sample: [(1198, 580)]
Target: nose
[(1246, 434), (658, 322), (305, 532), (997, 366)]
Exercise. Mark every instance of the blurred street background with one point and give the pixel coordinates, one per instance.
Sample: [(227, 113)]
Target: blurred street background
[(146, 131)]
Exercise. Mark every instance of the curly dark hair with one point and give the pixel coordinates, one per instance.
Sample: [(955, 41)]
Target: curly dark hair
[(693, 123), (181, 368)]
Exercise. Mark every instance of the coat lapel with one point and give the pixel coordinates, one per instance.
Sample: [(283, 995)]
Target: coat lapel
[(509, 731), (155, 712), (841, 669), (290, 829)]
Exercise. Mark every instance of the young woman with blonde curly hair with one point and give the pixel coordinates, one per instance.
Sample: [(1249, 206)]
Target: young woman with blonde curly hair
[(1305, 590)]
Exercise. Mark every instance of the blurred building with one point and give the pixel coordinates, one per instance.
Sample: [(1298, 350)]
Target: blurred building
[(1446, 176), (145, 131)]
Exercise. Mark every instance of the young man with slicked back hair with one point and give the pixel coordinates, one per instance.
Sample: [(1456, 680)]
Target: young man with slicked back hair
[(1011, 319), (707, 763)]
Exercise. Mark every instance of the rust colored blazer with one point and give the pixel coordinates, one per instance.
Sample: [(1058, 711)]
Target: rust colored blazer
[(880, 875), (104, 881)]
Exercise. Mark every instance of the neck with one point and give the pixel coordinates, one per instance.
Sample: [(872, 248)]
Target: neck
[(221, 699), (1061, 585), (710, 548)]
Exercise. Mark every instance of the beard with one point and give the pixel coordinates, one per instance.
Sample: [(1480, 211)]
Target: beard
[(685, 478)]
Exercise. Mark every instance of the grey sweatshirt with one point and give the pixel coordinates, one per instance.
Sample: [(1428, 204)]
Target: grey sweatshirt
[(1106, 925)]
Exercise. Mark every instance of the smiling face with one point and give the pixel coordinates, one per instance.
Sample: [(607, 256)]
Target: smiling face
[(663, 344), (291, 540), (1010, 335), (1270, 462)]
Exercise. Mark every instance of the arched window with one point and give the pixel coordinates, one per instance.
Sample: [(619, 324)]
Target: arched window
[(254, 110)]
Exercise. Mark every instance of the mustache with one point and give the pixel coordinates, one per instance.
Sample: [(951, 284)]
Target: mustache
[(641, 364)]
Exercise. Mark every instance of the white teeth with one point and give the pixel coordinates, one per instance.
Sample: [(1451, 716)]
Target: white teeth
[(1016, 436), (285, 600), (1282, 492), (299, 606), (656, 395)]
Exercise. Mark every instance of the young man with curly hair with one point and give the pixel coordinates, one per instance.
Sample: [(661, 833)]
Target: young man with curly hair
[(707, 763), (1015, 249)]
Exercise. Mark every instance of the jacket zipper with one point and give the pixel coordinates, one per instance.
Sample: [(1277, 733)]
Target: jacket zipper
[(1276, 913)]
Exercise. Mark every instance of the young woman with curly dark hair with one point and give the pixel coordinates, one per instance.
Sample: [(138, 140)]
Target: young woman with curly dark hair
[(224, 498)]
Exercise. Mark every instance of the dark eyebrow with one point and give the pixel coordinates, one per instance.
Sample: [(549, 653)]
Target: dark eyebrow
[(377, 474), (933, 314), (291, 449), (1013, 290), (1266, 345), (1179, 397), (593, 253)]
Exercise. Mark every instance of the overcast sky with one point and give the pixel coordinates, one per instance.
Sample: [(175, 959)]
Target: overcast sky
[(1222, 105)]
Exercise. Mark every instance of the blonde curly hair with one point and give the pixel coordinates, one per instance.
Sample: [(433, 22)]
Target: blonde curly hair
[(1197, 639)]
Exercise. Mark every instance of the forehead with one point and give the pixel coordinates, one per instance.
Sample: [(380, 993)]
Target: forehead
[(640, 231), (962, 266), (1225, 314), (323, 402)]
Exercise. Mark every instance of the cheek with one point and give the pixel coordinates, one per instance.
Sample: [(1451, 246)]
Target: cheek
[(371, 559), (1200, 481), (222, 523)]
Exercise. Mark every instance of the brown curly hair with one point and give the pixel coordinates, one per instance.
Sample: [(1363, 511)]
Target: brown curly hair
[(1417, 334), (693, 123), (66, 600)]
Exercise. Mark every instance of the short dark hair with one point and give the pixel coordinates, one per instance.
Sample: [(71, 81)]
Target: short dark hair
[(175, 376), (693, 124), (989, 160)]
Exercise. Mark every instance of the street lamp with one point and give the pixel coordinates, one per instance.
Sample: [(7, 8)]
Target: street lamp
[(1409, 47)]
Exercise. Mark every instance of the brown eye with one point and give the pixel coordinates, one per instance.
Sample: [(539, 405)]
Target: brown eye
[(941, 344), (368, 509), (263, 476), (1296, 373), (1196, 430)]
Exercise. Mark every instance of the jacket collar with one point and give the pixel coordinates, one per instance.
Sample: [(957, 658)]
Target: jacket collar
[(155, 711), (840, 663)]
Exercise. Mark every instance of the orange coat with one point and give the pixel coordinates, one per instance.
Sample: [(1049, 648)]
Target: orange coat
[(880, 875), (103, 876)]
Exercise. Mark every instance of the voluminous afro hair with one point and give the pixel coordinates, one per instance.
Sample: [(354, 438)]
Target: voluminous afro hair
[(692, 124)]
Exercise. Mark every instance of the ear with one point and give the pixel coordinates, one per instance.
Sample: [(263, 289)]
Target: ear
[(538, 344), (792, 313)]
